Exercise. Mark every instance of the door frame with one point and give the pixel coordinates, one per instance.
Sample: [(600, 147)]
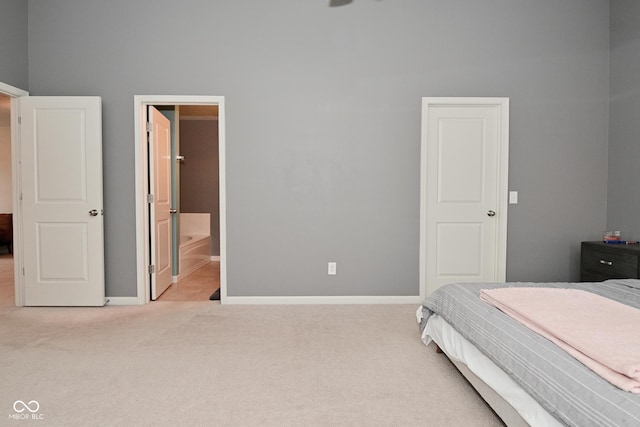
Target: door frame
[(15, 93), (503, 175), (142, 185)]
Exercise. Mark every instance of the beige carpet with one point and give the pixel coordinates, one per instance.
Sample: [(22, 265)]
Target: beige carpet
[(203, 364)]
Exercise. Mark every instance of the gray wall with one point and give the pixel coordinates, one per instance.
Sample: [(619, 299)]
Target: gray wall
[(13, 43), (323, 123), (624, 138), (199, 179)]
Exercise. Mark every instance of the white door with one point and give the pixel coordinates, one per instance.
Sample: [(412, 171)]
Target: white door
[(60, 143), (464, 190), (160, 180)]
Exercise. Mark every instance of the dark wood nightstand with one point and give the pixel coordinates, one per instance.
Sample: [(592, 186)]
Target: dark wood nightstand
[(6, 231), (601, 261)]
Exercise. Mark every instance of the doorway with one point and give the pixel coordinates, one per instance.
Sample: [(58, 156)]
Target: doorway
[(7, 291), (193, 243), (8, 94), (194, 106)]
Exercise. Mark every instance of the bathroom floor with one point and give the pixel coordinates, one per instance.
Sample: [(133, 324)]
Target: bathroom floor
[(7, 291), (197, 286)]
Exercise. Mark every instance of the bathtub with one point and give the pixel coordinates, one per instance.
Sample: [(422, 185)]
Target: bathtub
[(195, 243)]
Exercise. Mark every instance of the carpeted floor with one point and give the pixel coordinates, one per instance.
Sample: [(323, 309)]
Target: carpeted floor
[(205, 364)]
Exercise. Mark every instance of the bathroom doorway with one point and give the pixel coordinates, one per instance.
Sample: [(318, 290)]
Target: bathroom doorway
[(12, 292), (7, 285), (199, 197), (195, 203)]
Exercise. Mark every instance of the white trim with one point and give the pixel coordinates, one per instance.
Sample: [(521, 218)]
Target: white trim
[(15, 93), (16, 176), (502, 185), (215, 258), (122, 301), (422, 251), (299, 300), (142, 185)]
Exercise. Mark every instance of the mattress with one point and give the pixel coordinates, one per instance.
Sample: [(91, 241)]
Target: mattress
[(460, 350), (562, 386)]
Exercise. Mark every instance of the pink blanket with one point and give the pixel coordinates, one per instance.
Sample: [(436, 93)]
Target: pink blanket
[(601, 333)]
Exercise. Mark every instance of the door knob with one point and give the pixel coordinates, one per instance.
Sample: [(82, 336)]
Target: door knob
[(491, 213), (173, 211), (93, 212)]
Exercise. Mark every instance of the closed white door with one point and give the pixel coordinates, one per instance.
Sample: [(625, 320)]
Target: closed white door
[(60, 144), (464, 190), (160, 178)]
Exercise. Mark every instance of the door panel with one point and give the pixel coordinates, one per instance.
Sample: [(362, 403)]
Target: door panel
[(160, 176), (61, 185), (459, 250), (70, 239), (465, 167), (461, 147)]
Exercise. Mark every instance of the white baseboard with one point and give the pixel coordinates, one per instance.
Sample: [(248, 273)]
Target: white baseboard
[(284, 300), (215, 257), (122, 301), (323, 300)]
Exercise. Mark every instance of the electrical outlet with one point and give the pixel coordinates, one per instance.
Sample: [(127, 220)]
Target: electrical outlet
[(332, 268)]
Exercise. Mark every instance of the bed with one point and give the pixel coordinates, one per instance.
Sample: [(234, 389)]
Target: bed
[(524, 377)]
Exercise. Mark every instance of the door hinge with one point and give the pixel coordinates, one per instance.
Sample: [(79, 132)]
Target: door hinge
[(19, 120), (149, 127), (149, 198), (152, 269)]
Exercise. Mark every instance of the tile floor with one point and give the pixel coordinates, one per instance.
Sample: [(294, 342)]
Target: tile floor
[(7, 293), (197, 286)]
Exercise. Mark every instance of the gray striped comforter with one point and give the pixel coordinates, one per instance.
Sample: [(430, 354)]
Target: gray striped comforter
[(563, 386)]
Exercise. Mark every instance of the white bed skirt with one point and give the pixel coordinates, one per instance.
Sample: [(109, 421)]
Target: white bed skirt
[(460, 350)]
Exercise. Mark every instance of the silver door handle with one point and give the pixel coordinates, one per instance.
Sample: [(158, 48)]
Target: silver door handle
[(93, 212), (173, 211), (491, 213)]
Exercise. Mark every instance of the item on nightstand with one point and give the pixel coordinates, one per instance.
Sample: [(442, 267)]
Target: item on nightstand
[(611, 236), (615, 238)]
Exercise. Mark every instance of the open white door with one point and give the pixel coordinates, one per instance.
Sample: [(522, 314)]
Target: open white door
[(160, 179), (60, 140), (464, 190)]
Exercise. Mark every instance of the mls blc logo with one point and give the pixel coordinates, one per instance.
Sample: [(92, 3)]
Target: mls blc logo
[(26, 411), (20, 406)]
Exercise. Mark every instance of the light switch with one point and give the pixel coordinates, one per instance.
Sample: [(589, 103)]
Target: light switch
[(332, 268), (513, 197)]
